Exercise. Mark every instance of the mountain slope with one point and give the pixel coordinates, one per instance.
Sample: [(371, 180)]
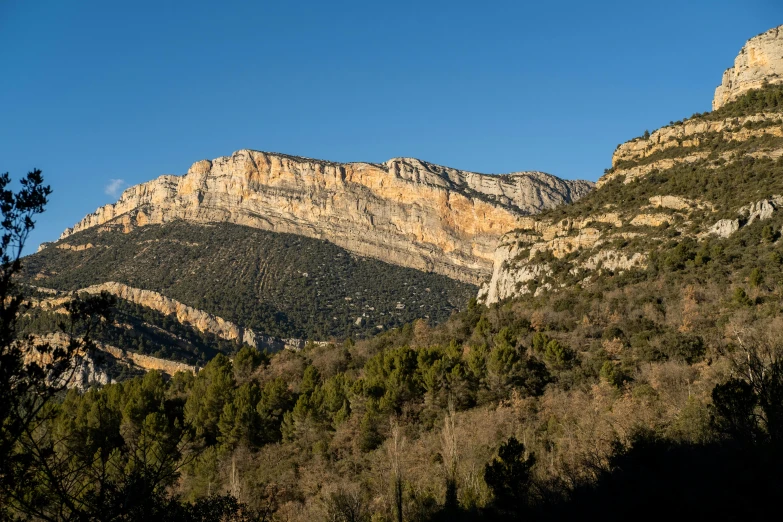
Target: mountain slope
[(405, 211), (634, 341), (279, 285), (693, 182)]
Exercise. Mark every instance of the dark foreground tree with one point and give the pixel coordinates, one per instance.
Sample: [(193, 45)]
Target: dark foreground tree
[(23, 389), (508, 476), (655, 478)]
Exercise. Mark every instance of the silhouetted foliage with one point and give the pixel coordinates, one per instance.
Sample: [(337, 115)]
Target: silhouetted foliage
[(508, 476)]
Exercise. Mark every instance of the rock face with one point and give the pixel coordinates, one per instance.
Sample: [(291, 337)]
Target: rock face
[(632, 161), (99, 365), (759, 61), (198, 319), (405, 211), (760, 210), (518, 268)]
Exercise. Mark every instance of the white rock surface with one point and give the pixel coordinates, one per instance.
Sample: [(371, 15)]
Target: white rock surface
[(724, 227)]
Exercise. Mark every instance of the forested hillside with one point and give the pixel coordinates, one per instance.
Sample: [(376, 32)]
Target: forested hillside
[(546, 405), (283, 285), (677, 195), (625, 361)]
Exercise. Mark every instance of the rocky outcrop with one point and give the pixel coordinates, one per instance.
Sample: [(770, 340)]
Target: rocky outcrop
[(760, 210), (724, 227), (98, 365), (146, 362), (614, 260), (679, 203), (630, 159), (198, 319), (686, 134), (520, 265), (75, 248), (759, 61), (650, 220), (405, 211)]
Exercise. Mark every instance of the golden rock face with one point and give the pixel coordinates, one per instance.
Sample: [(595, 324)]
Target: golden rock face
[(405, 211), (759, 61)]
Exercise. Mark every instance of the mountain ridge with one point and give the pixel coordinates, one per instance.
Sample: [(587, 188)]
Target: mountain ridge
[(405, 211)]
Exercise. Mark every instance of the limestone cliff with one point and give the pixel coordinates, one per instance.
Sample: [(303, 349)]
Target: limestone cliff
[(759, 61), (182, 313), (405, 211), (98, 365), (759, 65)]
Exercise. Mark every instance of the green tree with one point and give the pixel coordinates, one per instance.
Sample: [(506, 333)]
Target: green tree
[(755, 278), (310, 380), (558, 356), (240, 422), (370, 436), (212, 390), (276, 400), (246, 362), (768, 234), (539, 342), (741, 298), (506, 369)]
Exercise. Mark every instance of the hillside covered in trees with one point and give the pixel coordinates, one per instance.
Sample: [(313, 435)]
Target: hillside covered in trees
[(625, 360), (656, 388), (283, 285)]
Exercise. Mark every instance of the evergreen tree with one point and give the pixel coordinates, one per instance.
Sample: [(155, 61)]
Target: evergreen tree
[(508, 476)]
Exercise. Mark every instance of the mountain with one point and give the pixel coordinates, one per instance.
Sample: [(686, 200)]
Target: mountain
[(404, 212), (630, 345), (271, 250), (698, 184), (759, 63)]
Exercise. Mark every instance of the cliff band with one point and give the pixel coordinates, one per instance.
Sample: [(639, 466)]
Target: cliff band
[(405, 211)]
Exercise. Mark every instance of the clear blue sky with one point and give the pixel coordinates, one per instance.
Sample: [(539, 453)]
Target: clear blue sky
[(95, 92)]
